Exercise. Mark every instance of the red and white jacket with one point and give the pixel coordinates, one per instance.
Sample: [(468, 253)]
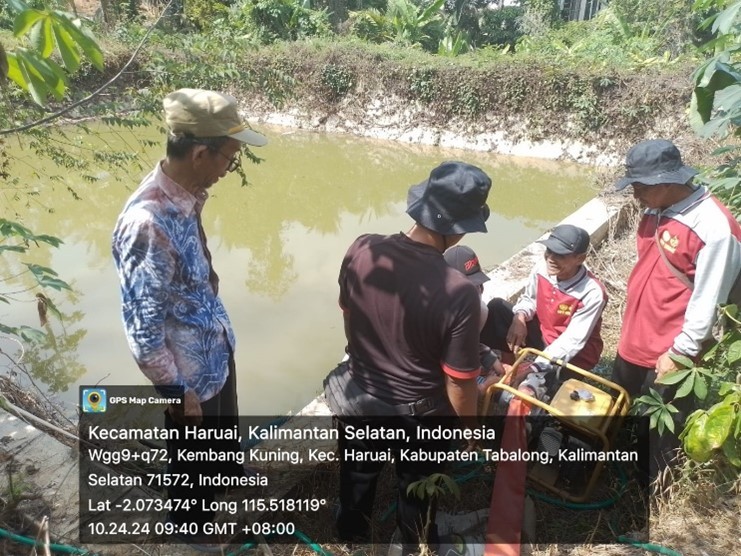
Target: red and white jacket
[(702, 239), (570, 314)]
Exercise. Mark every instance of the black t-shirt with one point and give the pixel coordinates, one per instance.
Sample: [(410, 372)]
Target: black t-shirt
[(409, 318)]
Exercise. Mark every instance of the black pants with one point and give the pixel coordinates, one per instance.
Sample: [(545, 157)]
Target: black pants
[(358, 480), (494, 333), (219, 413), (655, 451)]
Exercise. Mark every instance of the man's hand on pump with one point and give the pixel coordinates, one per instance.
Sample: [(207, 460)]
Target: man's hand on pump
[(517, 332)]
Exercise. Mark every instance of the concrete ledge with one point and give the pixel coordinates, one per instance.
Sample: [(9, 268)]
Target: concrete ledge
[(509, 278)]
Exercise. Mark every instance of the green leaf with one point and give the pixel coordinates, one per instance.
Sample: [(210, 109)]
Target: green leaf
[(51, 240), (718, 425), (39, 270), (15, 72), (33, 82), (695, 443), (726, 20), (15, 248), (51, 74), (646, 400), (666, 421), (728, 387), (52, 308), (675, 377), (727, 98), (48, 38), (711, 77), (16, 6), (82, 39), (25, 20), (30, 335), (654, 420), (734, 352), (66, 46), (686, 387), (683, 360), (54, 283), (725, 150), (689, 423), (732, 451), (700, 387), (41, 36)]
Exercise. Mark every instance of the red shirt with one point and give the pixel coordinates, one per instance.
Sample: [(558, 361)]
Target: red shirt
[(700, 237), (556, 309)]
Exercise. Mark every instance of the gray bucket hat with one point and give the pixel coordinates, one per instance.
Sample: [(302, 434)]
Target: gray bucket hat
[(653, 162), (452, 200)]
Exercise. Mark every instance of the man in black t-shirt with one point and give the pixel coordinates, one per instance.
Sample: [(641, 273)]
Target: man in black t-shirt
[(412, 328)]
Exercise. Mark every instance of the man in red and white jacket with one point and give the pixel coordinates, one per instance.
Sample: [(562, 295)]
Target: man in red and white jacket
[(689, 254), (560, 310)]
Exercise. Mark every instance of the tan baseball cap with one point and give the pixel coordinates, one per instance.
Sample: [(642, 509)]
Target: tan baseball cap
[(207, 114)]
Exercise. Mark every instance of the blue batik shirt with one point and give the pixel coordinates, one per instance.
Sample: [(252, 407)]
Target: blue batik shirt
[(176, 325)]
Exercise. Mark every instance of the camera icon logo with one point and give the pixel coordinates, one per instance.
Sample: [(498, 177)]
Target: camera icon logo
[(94, 400)]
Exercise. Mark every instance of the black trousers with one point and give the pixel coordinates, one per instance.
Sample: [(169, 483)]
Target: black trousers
[(359, 479), (219, 413), (656, 451), (494, 332)]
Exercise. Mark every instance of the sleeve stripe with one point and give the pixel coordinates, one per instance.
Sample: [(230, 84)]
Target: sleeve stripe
[(455, 373)]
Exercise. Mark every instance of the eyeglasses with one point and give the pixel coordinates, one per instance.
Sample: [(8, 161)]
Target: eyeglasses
[(234, 161)]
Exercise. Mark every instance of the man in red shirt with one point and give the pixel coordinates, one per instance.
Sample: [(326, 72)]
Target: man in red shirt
[(560, 310), (689, 254), (412, 328)]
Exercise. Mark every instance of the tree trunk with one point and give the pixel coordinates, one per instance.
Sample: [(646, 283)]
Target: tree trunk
[(337, 13)]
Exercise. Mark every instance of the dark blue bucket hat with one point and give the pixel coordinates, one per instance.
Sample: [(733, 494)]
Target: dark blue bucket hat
[(452, 200), (653, 162)]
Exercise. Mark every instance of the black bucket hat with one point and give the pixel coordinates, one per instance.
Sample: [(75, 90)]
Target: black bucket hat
[(452, 200), (653, 162), (567, 240)]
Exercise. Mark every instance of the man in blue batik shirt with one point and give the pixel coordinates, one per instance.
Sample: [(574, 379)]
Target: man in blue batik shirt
[(176, 325)]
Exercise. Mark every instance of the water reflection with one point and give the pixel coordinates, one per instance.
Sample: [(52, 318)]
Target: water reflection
[(277, 246)]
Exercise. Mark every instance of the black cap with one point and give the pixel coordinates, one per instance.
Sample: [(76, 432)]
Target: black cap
[(567, 240), (464, 260), (452, 200), (653, 162)]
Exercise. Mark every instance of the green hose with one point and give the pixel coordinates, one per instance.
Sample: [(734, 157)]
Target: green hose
[(301, 536), (311, 544), (648, 546), (63, 548)]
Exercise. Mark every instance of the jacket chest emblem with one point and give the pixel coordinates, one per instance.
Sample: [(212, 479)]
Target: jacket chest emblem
[(564, 309), (668, 242)]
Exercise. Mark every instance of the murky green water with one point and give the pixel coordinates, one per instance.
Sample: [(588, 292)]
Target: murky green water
[(277, 246)]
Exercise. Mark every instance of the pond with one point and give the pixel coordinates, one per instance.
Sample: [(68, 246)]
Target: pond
[(277, 246)]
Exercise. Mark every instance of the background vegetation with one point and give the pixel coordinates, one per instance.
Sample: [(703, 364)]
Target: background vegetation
[(625, 74)]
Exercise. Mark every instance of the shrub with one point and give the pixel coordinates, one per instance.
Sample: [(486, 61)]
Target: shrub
[(500, 27), (337, 80), (272, 20), (370, 25), (203, 13)]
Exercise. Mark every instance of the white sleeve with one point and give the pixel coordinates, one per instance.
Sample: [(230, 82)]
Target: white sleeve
[(718, 264), (527, 302)]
